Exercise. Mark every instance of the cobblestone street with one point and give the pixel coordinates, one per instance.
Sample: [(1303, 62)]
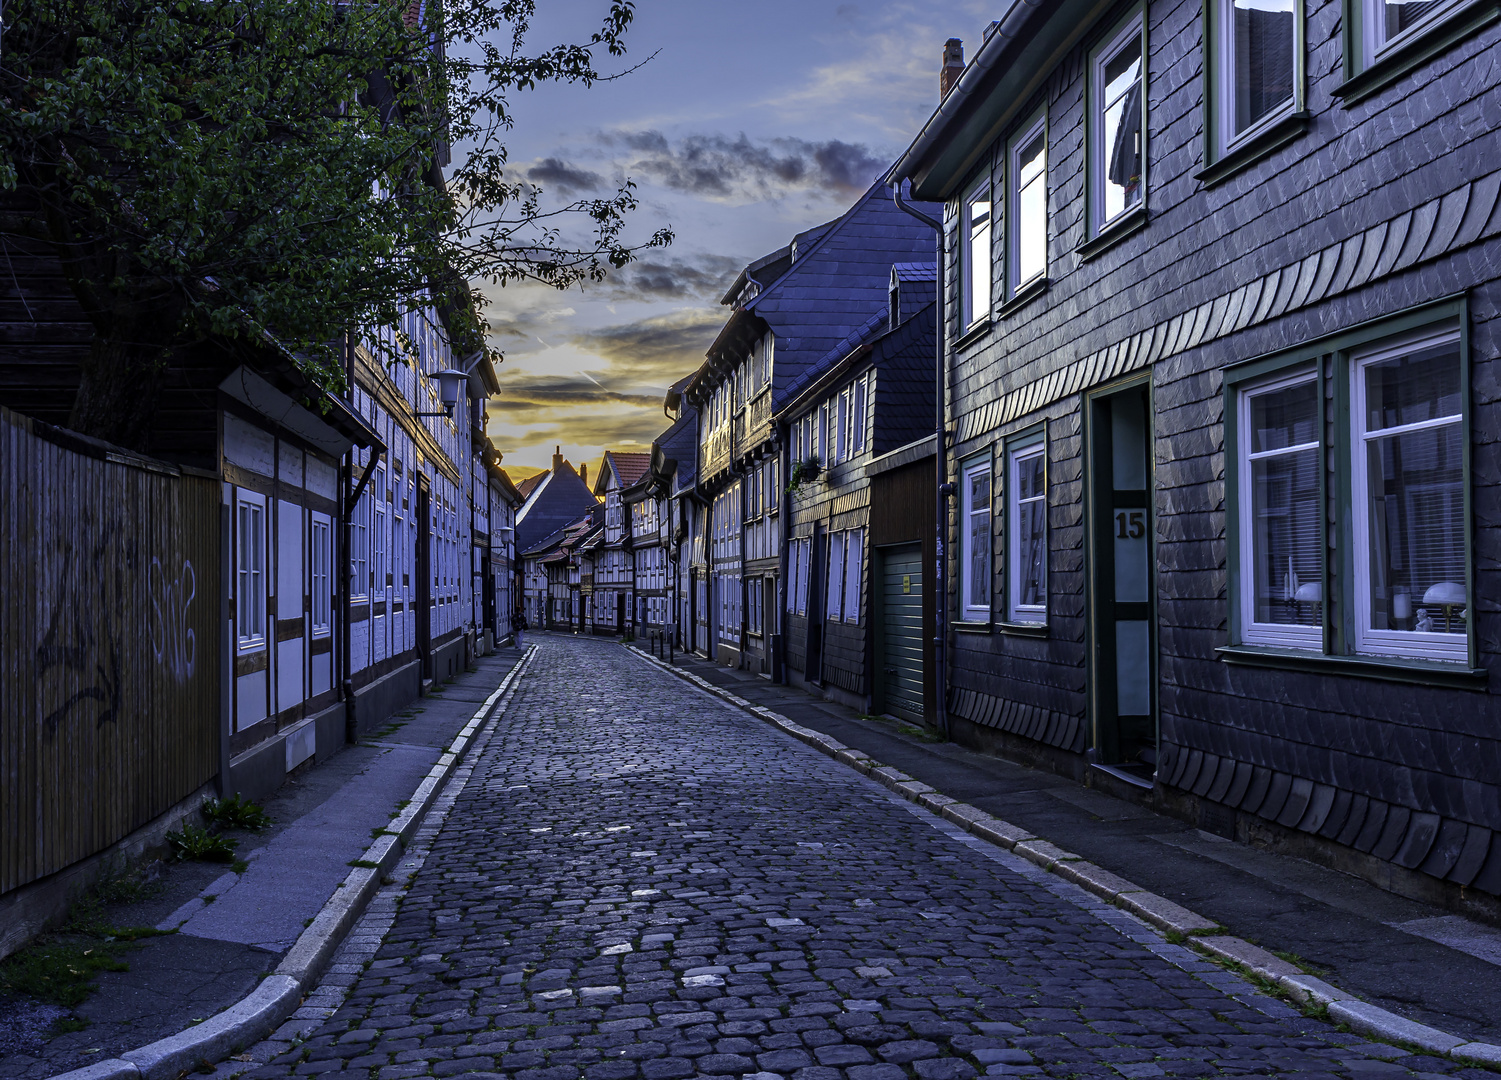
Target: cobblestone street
[(641, 882)]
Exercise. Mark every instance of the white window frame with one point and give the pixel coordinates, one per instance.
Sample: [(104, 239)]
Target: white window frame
[(842, 411), (1037, 129), (320, 581), (1368, 641), (1099, 152), (252, 573), (379, 519), (1278, 635), (1021, 452), (854, 566), (359, 548), (859, 414), (834, 585), (1224, 78), (975, 612), (976, 255)]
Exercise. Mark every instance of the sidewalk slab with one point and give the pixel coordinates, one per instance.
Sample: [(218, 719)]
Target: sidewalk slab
[(340, 829)]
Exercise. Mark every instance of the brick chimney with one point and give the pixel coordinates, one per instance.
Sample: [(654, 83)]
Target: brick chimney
[(584, 473), (557, 459), (953, 66)]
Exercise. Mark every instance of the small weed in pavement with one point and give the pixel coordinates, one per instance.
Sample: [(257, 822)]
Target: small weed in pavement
[(236, 813), (195, 842), (364, 864), (68, 1025), (59, 967)]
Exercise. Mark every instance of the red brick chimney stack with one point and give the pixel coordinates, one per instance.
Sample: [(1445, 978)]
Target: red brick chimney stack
[(557, 459), (584, 473), (953, 66)]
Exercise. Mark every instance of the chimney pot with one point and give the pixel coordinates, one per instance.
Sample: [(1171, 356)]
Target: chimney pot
[(953, 66)]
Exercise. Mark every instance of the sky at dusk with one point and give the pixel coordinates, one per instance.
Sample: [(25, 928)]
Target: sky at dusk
[(753, 122)]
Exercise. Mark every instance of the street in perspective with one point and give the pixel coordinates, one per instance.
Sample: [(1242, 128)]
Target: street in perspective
[(654, 539)]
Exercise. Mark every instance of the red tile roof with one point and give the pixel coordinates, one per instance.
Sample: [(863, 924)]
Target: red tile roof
[(629, 467)]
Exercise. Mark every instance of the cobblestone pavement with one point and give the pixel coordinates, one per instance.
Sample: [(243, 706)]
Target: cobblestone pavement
[(640, 883)]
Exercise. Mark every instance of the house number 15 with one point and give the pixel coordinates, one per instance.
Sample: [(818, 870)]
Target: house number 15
[(1130, 525)]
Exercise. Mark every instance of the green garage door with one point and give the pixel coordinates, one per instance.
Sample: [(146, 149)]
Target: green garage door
[(901, 631)]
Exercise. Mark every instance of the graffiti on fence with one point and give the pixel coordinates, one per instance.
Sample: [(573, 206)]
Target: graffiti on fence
[(173, 641)]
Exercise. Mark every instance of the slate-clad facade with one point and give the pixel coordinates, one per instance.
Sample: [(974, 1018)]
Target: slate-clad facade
[(791, 308), (1226, 448), (862, 400)]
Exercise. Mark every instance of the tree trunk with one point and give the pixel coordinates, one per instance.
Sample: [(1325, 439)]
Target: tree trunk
[(118, 388)]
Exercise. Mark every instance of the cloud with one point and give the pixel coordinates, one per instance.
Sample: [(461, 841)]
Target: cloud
[(661, 347), (702, 277), (557, 175), (721, 168)]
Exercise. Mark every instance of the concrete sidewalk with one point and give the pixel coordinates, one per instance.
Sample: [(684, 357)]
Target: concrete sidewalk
[(230, 930), (1420, 962)]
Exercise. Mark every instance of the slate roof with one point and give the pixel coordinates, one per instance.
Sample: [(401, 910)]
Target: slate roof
[(679, 443), (557, 498), (905, 387), (915, 271), (839, 284)]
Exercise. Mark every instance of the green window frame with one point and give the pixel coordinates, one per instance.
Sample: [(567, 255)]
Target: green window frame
[(1227, 151), (1368, 623), (1104, 95), (1374, 58), (1026, 448)]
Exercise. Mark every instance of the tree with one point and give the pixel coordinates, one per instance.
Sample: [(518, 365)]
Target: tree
[(235, 168)]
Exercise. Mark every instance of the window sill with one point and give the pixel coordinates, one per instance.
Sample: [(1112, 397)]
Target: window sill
[(1278, 135), (1411, 54), (1023, 629), (970, 626), (973, 334), (1024, 296), (1388, 669), (1126, 225)]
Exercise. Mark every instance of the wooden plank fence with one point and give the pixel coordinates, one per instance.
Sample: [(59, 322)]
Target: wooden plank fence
[(109, 644)]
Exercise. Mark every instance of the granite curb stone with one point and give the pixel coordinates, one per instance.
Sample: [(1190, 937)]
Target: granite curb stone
[(278, 995), (1343, 1008)]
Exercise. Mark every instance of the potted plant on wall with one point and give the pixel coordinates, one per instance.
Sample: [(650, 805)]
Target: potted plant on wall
[(803, 472)]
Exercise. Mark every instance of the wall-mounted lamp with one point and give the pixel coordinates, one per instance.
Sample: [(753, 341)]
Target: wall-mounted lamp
[(449, 381)]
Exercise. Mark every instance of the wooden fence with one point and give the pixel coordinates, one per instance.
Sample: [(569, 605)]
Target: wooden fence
[(109, 644)]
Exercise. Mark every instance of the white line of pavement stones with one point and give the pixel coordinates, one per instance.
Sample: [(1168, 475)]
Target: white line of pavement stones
[(280, 994), (1204, 934)]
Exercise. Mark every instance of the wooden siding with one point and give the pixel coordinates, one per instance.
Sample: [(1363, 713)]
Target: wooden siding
[(110, 644), (1379, 207)]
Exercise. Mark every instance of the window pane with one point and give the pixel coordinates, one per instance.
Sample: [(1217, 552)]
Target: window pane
[(1263, 41), (1402, 15), (1285, 418), (1285, 539), (1031, 210), (1031, 533), (1121, 128), (978, 593), (978, 284), (1421, 386), (1417, 529)]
